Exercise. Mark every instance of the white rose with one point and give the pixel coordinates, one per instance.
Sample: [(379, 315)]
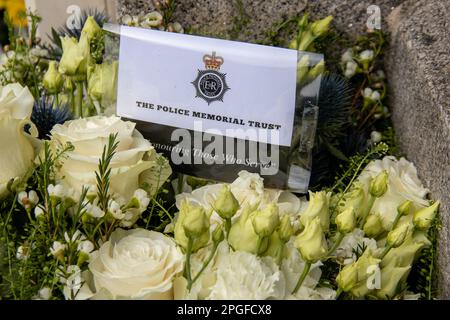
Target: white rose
[(18, 149), (133, 164), (136, 264), (403, 184), (16, 101)]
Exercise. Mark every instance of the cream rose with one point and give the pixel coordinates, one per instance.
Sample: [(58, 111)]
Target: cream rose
[(17, 148), (403, 184), (135, 264), (134, 163), (16, 101)]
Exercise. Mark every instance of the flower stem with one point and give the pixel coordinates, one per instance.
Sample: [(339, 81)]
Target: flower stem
[(227, 226), (336, 243), (187, 267), (79, 100), (385, 252), (338, 293), (397, 218), (205, 264), (302, 277)]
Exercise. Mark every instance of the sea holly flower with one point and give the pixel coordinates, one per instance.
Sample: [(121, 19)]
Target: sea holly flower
[(53, 80)]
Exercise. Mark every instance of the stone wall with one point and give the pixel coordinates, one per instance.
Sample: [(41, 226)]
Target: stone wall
[(417, 67)]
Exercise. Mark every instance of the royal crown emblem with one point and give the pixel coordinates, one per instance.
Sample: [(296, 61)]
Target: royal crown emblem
[(210, 84)]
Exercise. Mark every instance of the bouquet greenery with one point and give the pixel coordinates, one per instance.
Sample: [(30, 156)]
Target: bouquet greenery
[(89, 210)]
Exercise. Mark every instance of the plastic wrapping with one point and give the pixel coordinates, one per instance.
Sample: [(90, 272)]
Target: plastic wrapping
[(150, 94)]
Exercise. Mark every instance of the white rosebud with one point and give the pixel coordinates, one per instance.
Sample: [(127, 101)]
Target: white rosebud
[(57, 249), (94, 211), (366, 55), (375, 136), (57, 191), (38, 211), (114, 209), (350, 69), (347, 56)]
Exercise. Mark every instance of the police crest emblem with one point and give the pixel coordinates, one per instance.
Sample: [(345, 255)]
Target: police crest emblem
[(210, 84)]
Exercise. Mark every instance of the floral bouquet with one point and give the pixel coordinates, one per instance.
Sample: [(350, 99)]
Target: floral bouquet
[(89, 209)]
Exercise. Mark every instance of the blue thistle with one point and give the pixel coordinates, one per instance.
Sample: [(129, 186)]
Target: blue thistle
[(46, 115)]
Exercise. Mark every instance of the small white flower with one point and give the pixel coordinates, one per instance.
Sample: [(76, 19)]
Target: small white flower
[(375, 95), (142, 197), (350, 69), (22, 253), (57, 249), (152, 20), (45, 293), (57, 191), (77, 236), (114, 209), (72, 281), (375, 136), (367, 92), (366, 55), (86, 246), (94, 211), (38, 211), (347, 56), (132, 21), (28, 200), (91, 193)]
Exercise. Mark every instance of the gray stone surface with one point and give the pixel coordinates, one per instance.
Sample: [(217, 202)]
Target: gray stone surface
[(417, 66), (418, 72)]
